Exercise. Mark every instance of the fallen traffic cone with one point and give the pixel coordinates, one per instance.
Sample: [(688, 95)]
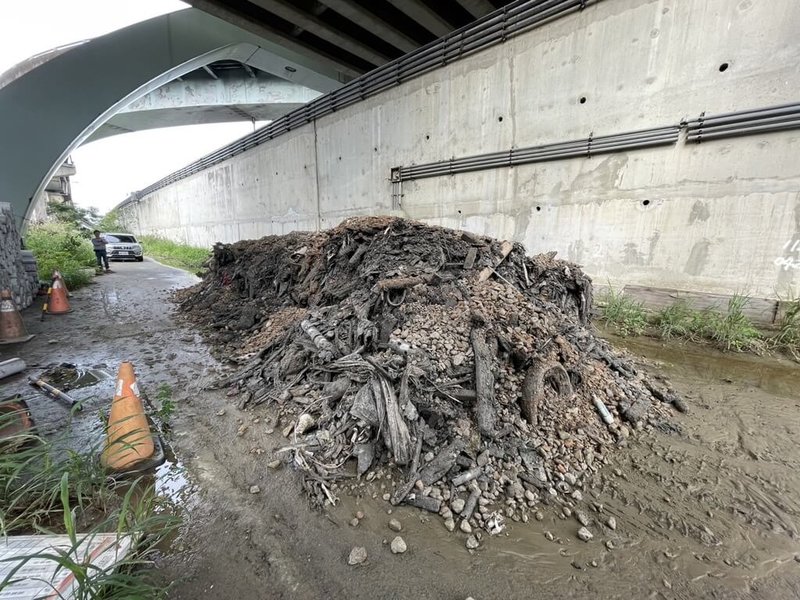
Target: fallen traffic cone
[(58, 304), (12, 329), (129, 440)]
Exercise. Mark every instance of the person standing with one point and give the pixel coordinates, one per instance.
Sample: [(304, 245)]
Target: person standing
[(99, 245)]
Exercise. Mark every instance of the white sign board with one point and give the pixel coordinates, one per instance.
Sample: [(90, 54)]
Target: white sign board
[(43, 578)]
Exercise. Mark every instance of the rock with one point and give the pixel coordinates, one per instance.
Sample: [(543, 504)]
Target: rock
[(395, 525), (354, 522), (583, 519), (386, 497), (360, 515), (584, 534), (304, 423), (465, 526), (450, 524), (458, 359), (577, 496), (398, 545), (538, 515), (566, 511), (472, 543), (612, 523), (610, 545), (570, 478), (274, 464), (357, 556), (254, 489), (549, 536), (515, 490), (457, 505)]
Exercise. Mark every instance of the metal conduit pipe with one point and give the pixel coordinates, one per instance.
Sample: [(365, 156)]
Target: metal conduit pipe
[(750, 123), (752, 111), (712, 135), (538, 19)]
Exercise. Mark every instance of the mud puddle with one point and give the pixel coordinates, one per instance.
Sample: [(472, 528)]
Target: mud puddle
[(68, 376)]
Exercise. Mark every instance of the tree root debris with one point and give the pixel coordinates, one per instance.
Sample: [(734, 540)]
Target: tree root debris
[(455, 362)]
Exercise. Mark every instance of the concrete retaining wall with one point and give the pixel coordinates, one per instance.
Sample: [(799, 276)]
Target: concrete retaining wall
[(717, 217), (13, 274)]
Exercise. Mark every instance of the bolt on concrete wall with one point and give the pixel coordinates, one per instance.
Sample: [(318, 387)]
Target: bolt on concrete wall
[(715, 217)]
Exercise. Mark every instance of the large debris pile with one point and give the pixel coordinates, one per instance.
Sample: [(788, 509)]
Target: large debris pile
[(457, 363)]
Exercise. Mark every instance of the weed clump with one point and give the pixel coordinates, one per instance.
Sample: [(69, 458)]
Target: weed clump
[(788, 337), (623, 314)]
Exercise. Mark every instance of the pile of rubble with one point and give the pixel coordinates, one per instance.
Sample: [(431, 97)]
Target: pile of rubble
[(461, 369)]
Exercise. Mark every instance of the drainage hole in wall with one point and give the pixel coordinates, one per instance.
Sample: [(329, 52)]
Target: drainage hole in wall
[(375, 149), (645, 202), (582, 100), (500, 119), (340, 158), (427, 137), (538, 208), (723, 67), (459, 212)]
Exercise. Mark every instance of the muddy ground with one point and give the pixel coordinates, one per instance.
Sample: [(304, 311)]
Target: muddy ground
[(708, 509)]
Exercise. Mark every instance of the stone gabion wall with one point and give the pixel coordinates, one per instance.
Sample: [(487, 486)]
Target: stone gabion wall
[(13, 274)]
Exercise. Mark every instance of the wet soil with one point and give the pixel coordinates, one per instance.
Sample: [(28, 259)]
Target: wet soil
[(707, 509)]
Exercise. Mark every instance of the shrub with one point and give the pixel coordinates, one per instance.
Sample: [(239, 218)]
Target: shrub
[(111, 222), (61, 246)]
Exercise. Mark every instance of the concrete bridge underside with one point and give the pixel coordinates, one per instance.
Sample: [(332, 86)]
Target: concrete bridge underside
[(39, 129), (253, 96)]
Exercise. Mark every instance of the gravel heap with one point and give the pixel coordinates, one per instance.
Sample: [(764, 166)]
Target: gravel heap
[(459, 368)]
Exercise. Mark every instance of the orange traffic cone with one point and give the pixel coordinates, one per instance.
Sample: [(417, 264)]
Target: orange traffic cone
[(58, 303), (129, 440), (12, 329), (58, 275)]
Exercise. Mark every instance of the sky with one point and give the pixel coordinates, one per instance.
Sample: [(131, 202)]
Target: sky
[(108, 169)]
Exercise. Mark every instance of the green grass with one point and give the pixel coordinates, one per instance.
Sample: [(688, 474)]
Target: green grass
[(60, 246), (788, 337), (623, 314), (45, 488), (733, 330), (189, 258), (166, 403)]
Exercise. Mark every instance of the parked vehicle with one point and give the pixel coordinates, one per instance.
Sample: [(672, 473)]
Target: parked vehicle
[(123, 246)]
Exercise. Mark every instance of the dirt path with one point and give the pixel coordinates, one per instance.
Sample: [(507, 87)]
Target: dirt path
[(710, 509)]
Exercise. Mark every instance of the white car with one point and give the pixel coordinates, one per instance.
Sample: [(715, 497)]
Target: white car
[(123, 246)]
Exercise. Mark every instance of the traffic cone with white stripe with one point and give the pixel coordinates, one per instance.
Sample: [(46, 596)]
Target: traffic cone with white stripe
[(12, 328), (129, 440), (57, 303)]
